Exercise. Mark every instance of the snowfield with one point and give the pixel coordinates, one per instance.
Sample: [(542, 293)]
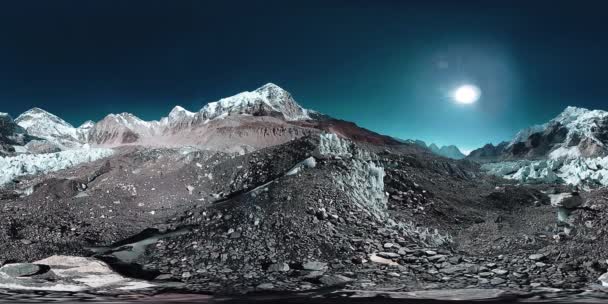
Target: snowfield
[(573, 171), (30, 164)]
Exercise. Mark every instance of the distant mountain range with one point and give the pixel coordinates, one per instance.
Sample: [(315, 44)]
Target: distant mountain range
[(241, 123), (450, 151)]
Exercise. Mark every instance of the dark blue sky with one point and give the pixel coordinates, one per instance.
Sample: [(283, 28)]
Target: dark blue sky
[(387, 65)]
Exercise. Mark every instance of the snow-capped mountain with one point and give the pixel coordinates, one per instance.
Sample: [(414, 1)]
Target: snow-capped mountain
[(42, 124), (268, 100), (576, 132), (246, 121)]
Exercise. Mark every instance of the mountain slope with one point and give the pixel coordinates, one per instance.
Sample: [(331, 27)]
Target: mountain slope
[(11, 134)]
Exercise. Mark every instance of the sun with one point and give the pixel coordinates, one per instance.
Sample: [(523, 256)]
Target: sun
[(466, 94)]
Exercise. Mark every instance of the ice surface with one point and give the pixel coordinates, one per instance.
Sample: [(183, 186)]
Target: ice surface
[(29, 164)]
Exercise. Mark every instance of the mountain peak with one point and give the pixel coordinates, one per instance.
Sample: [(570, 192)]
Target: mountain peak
[(87, 124), (270, 87), (268, 99), (37, 113), (40, 123), (178, 110)]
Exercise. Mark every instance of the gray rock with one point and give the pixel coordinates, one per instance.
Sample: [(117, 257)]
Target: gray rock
[(437, 258), (278, 267), (23, 269), (497, 281), (335, 280), (314, 266), (164, 277), (389, 255), (500, 272), (567, 200), (313, 275), (485, 274), (536, 257), (453, 269), (265, 286)]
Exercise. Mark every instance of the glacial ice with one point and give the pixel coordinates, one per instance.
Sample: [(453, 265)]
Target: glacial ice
[(29, 164)]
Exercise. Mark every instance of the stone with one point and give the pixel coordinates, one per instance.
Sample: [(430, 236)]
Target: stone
[(438, 258), (452, 269), (164, 277), (604, 279), (265, 286), (567, 200), (335, 280), (485, 274), (357, 260), (388, 255), (500, 272), (536, 257), (23, 269), (314, 266), (497, 281), (380, 260), (313, 275), (190, 189), (278, 267)]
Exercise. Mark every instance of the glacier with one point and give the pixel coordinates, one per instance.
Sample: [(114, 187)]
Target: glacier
[(30, 164), (579, 171)]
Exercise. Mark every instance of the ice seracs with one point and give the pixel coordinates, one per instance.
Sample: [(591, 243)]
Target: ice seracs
[(29, 164)]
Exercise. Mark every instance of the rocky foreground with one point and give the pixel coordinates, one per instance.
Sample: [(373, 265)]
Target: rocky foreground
[(313, 213)]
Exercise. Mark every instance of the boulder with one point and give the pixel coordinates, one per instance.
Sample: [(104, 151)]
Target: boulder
[(335, 280), (23, 269)]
